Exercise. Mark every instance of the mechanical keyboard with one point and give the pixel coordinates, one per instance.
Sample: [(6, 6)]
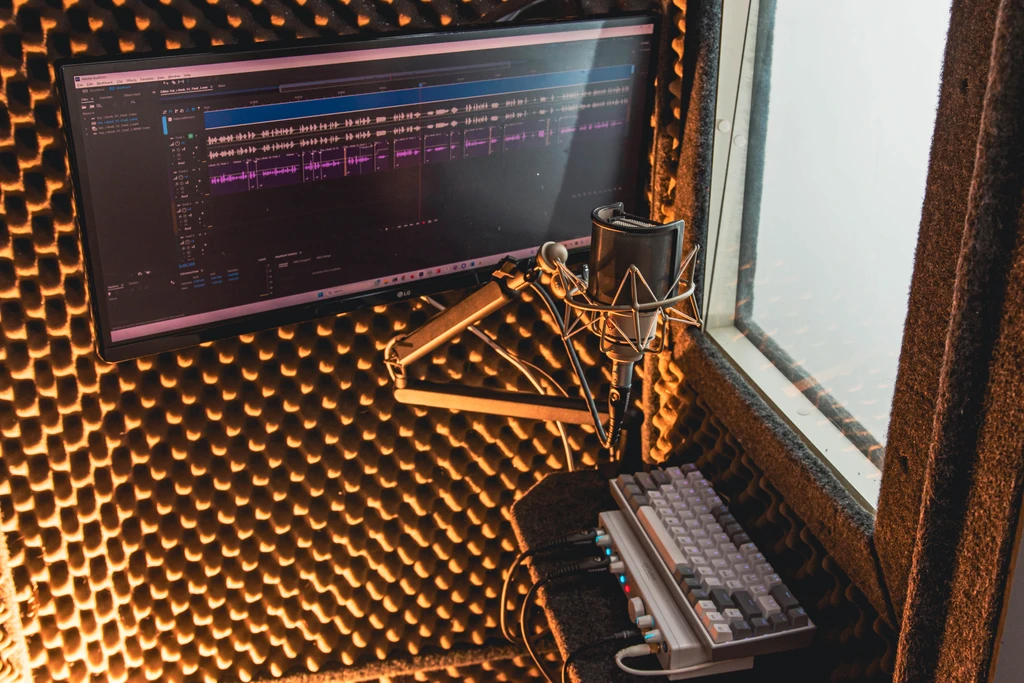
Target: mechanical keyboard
[(720, 583)]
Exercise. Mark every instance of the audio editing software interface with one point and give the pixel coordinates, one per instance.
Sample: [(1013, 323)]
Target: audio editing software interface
[(219, 190)]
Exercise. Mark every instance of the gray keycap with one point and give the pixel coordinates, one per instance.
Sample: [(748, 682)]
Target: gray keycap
[(760, 626), (778, 623), (740, 630), (797, 617)]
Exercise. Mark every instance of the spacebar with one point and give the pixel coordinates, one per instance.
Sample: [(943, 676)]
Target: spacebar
[(662, 539)]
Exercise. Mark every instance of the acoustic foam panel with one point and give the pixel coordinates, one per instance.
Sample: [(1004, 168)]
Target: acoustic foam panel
[(257, 507)]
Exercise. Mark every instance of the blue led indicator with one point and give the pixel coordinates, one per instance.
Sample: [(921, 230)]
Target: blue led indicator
[(608, 551), (622, 578)]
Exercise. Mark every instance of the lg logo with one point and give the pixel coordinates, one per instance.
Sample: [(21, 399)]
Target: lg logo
[(404, 293)]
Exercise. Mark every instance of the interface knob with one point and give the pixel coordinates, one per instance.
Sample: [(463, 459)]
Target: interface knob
[(645, 622), (636, 608)]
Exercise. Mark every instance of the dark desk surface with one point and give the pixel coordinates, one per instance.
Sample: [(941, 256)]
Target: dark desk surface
[(581, 611)]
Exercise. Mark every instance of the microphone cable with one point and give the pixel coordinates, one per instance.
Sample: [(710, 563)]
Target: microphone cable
[(621, 635), (640, 651), (578, 539), (591, 565)]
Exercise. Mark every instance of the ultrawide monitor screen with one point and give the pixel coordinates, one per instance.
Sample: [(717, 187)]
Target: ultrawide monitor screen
[(226, 192)]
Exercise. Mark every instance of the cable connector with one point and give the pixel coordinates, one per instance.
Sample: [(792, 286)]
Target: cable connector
[(584, 537), (638, 651)]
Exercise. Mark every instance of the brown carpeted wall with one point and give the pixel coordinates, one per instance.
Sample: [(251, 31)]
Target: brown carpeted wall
[(258, 507)]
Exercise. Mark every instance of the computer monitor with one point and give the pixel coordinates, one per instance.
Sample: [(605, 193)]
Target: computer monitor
[(232, 190)]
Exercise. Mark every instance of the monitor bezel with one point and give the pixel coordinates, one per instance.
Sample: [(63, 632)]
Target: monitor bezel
[(111, 351)]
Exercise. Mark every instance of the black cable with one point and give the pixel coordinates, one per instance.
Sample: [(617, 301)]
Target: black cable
[(588, 566), (576, 365), (579, 538), (621, 635)]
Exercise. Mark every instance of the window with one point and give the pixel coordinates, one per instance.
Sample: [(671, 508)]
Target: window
[(824, 122)]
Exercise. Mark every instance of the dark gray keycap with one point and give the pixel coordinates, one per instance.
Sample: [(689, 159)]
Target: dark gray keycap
[(797, 617), (681, 573), (740, 630), (645, 482), (739, 539), (688, 467), (660, 478), (760, 626), (725, 519), (625, 480), (696, 596), (721, 599), (690, 584), (720, 511), (632, 489), (784, 597), (746, 604), (778, 622), (733, 528), (636, 501)]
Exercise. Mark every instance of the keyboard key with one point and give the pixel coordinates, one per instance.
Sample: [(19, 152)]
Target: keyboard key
[(670, 521), (732, 614), (711, 618), (778, 622), (743, 568), (696, 596), (721, 599), (721, 633), (644, 481), (746, 605), (637, 502), (663, 507), (690, 585), (734, 585), (711, 582), (692, 550), (735, 558), (698, 559), (797, 617), (713, 553), (732, 529), (660, 478), (693, 476), (680, 531), (682, 541), (687, 468), (740, 539), (768, 605), (756, 558), (683, 572), (719, 511), (704, 606), (771, 581), (760, 626), (703, 571), (747, 549), (625, 480), (740, 630), (763, 569), (727, 575), (720, 564), (758, 590), (713, 501), (724, 543), (782, 595), (661, 538), (674, 473)]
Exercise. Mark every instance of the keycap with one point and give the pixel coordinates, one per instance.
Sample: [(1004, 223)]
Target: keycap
[(713, 553), (734, 585), (735, 558), (768, 605), (694, 475), (713, 501), (681, 572), (721, 633), (747, 549), (755, 558), (719, 564), (732, 614), (687, 468), (710, 618), (660, 478), (721, 599), (689, 585), (655, 494), (644, 481), (696, 596), (727, 575), (797, 617), (637, 502), (674, 472), (760, 626), (733, 528), (778, 622), (743, 568), (703, 607), (661, 538), (625, 480), (746, 604), (719, 511), (785, 599), (682, 541), (631, 489), (740, 539), (670, 521), (711, 582), (763, 569), (771, 580), (698, 560), (740, 630), (724, 543), (757, 590)]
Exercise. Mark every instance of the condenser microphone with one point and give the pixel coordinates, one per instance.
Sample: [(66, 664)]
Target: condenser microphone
[(635, 275)]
